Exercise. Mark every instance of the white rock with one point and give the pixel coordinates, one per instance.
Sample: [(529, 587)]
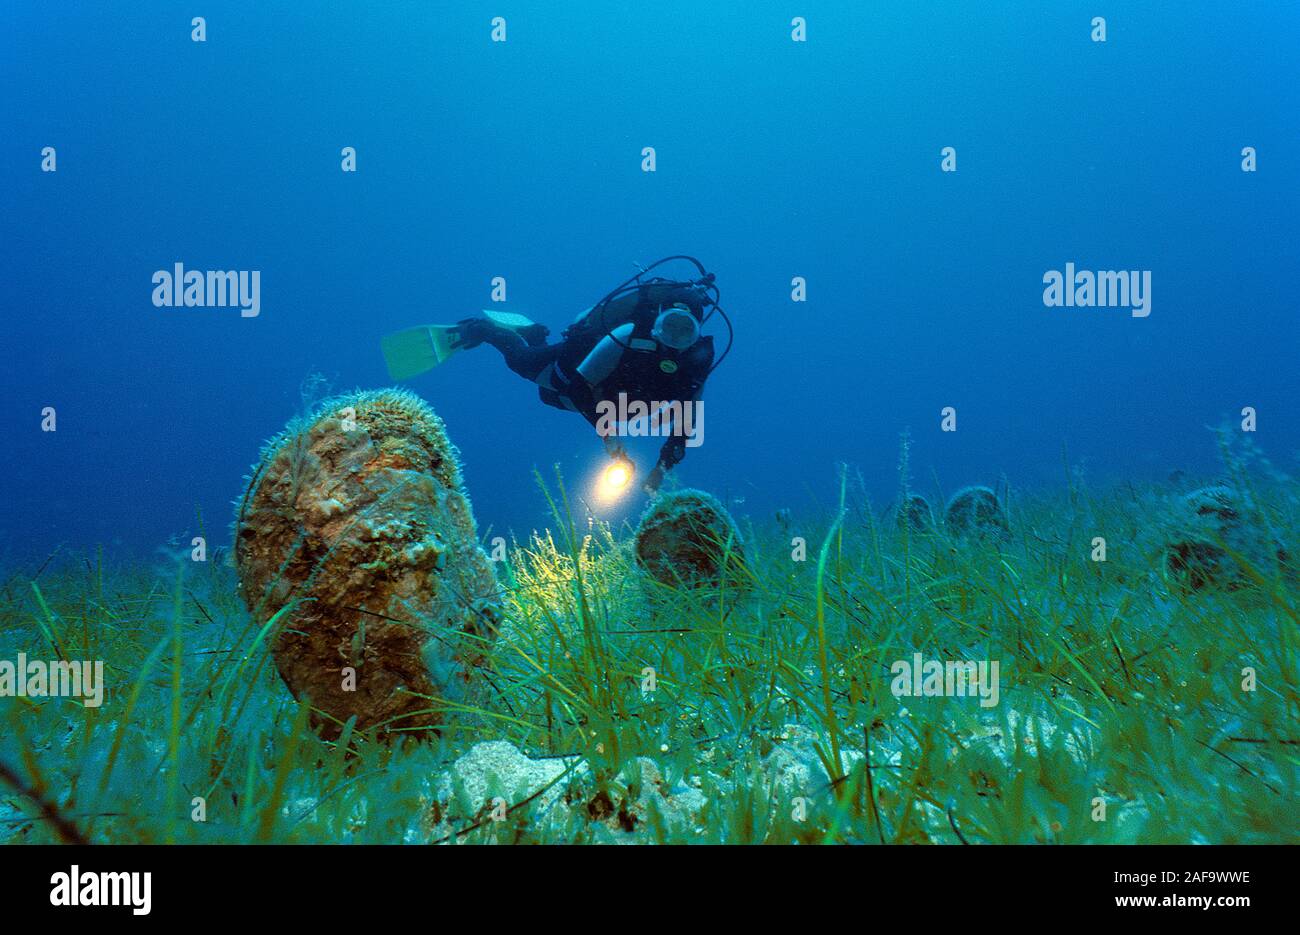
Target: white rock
[(467, 793)]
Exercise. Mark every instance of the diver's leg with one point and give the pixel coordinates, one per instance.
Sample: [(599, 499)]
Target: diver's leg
[(524, 359), (528, 362)]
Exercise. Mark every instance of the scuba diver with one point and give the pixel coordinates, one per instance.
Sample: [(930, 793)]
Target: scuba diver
[(643, 339)]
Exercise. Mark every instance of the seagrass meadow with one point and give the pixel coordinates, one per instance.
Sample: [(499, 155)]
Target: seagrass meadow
[(1133, 707), (359, 487)]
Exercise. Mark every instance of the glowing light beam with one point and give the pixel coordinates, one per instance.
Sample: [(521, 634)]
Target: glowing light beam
[(615, 481)]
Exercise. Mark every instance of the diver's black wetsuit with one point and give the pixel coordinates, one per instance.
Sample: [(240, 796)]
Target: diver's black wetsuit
[(564, 371)]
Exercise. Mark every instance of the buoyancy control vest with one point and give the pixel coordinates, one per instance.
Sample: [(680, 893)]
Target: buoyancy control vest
[(624, 319), (638, 307)]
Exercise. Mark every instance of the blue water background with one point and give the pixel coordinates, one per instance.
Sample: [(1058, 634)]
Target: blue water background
[(522, 159)]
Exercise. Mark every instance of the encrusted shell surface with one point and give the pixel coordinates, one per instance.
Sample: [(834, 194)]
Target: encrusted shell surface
[(975, 512), (356, 516), (686, 537), (1212, 532)]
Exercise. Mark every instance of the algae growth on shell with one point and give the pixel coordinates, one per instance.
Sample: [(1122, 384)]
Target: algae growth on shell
[(356, 527)]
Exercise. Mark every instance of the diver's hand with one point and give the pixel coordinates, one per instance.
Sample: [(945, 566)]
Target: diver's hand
[(653, 480), (614, 448)]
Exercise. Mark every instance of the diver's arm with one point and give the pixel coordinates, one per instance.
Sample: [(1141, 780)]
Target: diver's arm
[(586, 403), (670, 455), (602, 361), (674, 449)]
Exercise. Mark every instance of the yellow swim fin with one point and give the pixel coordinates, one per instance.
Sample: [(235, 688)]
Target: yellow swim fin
[(414, 351), (411, 352)]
